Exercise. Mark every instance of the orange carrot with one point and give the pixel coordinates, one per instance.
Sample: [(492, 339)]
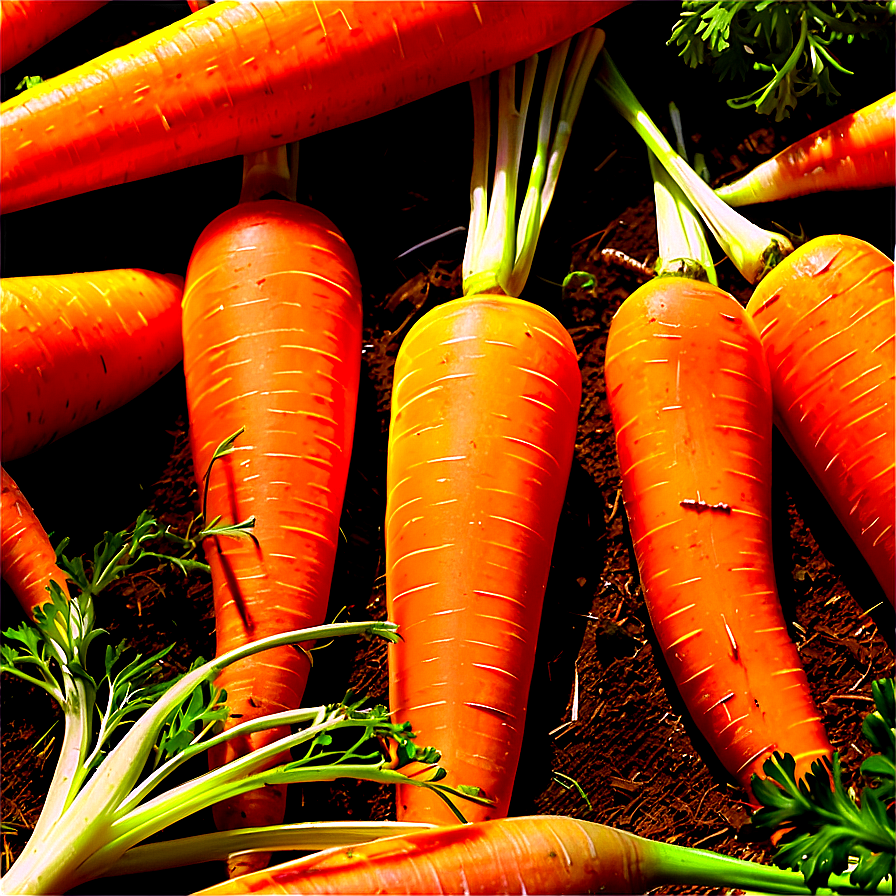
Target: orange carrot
[(532, 854), (858, 152), (74, 347), (826, 318), (236, 78), (26, 25), (691, 404), (27, 559), (484, 415), (272, 343)]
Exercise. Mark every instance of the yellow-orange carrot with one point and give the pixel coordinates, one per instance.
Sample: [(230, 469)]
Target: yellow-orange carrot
[(544, 854), (27, 559), (26, 25), (238, 77), (691, 403), (74, 347), (826, 317), (858, 152), (272, 344)]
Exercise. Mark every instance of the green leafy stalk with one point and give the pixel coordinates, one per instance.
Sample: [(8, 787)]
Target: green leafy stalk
[(498, 254), (753, 250), (824, 827), (789, 44)]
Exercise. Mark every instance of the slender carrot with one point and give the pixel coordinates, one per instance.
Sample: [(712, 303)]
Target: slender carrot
[(236, 78), (484, 415), (826, 318), (77, 346), (26, 25), (27, 559), (272, 344), (530, 854), (691, 404), (858, 152)]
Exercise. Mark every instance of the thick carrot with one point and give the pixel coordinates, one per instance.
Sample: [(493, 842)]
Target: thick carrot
[(826, 319), (236, 78), (26, 25), (531, 854), (858, 152), (272, 343), (484, 414), (691, 404), (77, 346), (27, 559)]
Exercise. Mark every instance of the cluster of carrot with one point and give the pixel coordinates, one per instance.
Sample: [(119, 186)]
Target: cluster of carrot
[(484, 412)]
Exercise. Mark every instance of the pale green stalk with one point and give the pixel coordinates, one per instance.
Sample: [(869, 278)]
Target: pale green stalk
[(753, 250), (219, 845)]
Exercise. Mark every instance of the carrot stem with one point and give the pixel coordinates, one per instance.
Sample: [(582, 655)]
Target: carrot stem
[(753, 250)]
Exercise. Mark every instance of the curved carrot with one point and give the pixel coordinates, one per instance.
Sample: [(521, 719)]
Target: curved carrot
[(858, 152), (272, 343), (74, 347), (27, 559), (531, 854), (26, 25), (235, 78), (484, 414), (691, 404), (826, 318)]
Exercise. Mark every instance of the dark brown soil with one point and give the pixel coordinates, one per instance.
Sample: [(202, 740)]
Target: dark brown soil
[(602, 709)]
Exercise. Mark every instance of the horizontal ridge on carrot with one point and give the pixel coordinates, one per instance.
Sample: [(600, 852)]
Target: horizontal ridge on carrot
[(826, 318), (75, 346), (26, 25), (27, 559), (236, 78), (484, 412), (272, 345), (857, 152)]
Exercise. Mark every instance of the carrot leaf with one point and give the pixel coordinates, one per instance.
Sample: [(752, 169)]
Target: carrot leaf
[(824, 828)]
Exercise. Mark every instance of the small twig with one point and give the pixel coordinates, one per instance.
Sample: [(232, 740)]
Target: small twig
[(860, 697)]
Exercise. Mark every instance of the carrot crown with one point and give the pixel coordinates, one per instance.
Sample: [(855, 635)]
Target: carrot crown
[(499, 251), (753, 250)]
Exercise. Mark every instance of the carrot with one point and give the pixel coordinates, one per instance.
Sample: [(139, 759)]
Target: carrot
[(236, 78), (858, 152), (27, 559), (826, 320), (530, 854), (272, 344), (26, 25), (484, 414), (691, 405), (77, 346)]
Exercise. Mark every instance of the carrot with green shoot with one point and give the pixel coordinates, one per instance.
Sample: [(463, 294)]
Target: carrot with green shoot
[(26, 25), (826, 318), (857, 152), (235, 78), (484, 413), (691, 405), (272, 346), (75, 346), (531, 854)]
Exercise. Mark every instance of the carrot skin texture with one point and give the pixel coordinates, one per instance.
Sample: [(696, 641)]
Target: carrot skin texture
[(691, 404), (27, 25), (27, 559), (858, 152), (235, 78), (826, 319), (484, 413), (531, 854), (77, 346), (272, 336)]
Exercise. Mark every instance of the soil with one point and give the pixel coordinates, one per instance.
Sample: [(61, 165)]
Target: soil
[(602, 709)]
